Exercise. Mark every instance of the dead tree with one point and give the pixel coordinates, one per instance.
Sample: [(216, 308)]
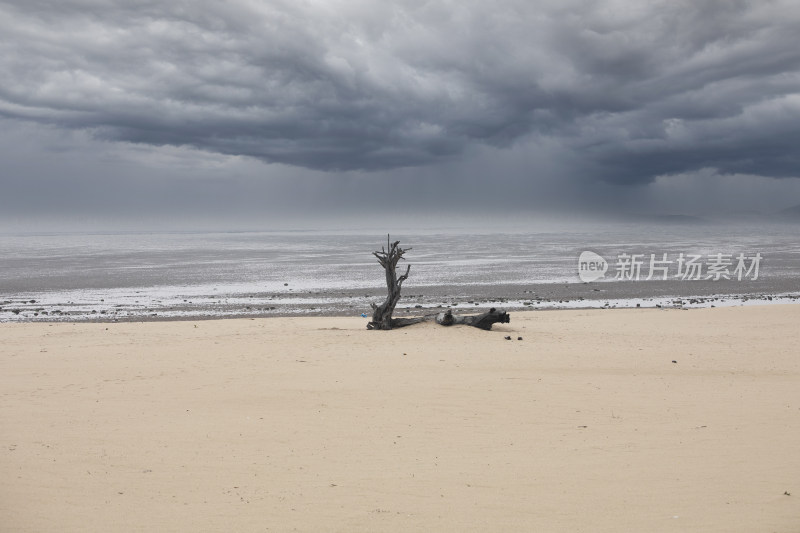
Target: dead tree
[(382, 314), (388, 258)]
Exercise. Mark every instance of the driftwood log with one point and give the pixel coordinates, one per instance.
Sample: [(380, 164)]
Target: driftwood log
[(382, 314), (482, 321)]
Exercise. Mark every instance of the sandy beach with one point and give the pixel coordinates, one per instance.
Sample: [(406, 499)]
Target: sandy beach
[(615, 420)]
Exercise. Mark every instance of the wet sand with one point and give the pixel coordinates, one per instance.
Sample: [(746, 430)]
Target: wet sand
[(597, 420)]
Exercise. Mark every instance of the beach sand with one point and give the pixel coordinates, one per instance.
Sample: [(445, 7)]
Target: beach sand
[(602, 420)]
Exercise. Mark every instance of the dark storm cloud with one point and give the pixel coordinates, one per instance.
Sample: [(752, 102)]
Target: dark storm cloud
[(629, 90)]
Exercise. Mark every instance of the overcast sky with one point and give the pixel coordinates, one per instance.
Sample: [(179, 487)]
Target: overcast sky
[(251, 109)]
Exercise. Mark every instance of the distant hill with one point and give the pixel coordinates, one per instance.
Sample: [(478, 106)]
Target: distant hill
[(790, 213), (669, 219)]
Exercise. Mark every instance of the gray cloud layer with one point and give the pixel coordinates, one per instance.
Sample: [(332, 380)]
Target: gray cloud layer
[(625, 91)]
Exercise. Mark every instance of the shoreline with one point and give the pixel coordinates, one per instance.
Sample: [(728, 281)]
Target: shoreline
[(35, 309), (725, 301), (636, 420)]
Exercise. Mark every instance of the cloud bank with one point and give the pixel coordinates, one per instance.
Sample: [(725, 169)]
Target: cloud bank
[(620, 92)]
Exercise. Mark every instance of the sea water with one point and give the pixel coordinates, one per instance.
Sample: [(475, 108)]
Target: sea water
[(133, 276)]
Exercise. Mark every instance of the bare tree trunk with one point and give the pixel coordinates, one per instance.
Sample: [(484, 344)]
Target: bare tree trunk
[(388, 258), (482, 321), (382, 314)]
